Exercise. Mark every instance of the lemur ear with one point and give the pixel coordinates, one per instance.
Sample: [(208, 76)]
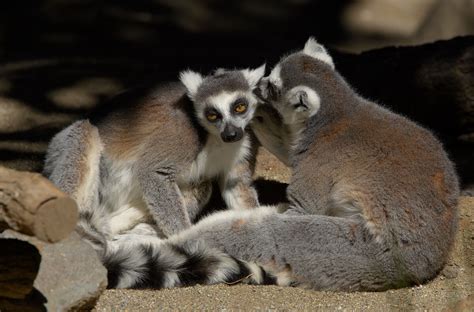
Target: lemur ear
[(262, 89), (304, 100), (253, 76), (314, 49), (267, 91), (191, 80), (219, 71)]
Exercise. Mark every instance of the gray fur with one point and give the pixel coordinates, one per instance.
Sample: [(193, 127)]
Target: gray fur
[(271, 131), (319, 252), (164, 199), (148, 160), (196, 196), (355, 159), (229, 81), (372, 199), (67, 166)]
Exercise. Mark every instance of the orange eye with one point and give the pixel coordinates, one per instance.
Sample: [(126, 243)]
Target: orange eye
[(211, 117), (240, 108)]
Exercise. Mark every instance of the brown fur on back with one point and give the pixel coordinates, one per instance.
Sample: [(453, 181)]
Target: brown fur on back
[(151, 123)]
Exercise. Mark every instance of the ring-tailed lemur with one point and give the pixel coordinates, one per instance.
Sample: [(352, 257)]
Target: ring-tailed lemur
[(153, 155), (372, 199)]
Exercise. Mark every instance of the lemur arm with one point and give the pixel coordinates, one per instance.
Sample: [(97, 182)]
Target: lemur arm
[(164, 199), (271, 133)]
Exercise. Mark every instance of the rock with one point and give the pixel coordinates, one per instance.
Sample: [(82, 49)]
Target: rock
[(390, 18), (450, 271), (71, 276), (447, 19), (397, 22)]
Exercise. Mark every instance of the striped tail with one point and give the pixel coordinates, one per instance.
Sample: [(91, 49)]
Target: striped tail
[(160, 264)]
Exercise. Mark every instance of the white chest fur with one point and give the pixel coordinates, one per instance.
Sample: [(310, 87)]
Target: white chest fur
[(122, 198), (216, 159)]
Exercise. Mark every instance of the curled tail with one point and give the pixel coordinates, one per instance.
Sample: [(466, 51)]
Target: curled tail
[(161, 264)]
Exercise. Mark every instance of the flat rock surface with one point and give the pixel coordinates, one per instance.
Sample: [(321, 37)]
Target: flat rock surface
[(70, 276), (452, 290)]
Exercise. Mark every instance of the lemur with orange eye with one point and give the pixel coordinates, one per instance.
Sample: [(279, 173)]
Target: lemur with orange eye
[(372, 199), (152, 158)]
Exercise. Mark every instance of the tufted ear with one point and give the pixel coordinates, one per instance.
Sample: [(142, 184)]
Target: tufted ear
[(304, 100), (219, 71), (253, 76), (267, 91), (314, 49), (261, 91), (191, 80)]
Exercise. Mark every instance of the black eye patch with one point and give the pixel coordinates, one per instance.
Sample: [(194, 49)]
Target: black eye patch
[(240, 106), (212, 114)]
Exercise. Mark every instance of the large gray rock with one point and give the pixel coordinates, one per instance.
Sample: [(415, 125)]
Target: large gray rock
[(71, 276)]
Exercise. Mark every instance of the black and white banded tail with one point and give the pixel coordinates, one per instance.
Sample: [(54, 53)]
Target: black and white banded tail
[(160, 264)]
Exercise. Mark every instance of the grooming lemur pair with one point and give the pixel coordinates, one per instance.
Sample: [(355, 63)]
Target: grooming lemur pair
[(372, 197)]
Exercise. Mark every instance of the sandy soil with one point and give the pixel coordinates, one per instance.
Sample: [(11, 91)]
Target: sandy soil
[(452, 290)]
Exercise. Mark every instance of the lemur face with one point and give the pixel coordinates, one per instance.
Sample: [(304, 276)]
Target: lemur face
[(291, 89), (224, 102)]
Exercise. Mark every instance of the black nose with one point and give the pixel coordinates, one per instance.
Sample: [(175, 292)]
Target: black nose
[(231, 134)]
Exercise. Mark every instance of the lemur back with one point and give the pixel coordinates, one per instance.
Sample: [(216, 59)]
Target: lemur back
[(372, 198), (151, 158)]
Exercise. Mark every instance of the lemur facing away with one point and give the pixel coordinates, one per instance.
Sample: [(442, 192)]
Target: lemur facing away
[(372, 199), (153, 157)]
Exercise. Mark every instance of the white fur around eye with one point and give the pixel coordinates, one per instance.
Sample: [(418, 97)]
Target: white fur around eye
[(223, 103), (314, 49), (313, 100)]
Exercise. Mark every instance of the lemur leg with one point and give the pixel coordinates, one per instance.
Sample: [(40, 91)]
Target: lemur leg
[(73, 165), (196, 196), (236, 186), (126, 219), (72, 162), (164, 199)]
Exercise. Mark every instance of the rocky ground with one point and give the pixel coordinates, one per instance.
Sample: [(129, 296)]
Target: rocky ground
[(452, 290)]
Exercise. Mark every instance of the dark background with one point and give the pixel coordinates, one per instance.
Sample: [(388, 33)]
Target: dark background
[(208, 33), (61, 58)]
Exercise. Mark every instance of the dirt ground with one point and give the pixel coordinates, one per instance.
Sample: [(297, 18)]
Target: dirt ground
[(452, 290)]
